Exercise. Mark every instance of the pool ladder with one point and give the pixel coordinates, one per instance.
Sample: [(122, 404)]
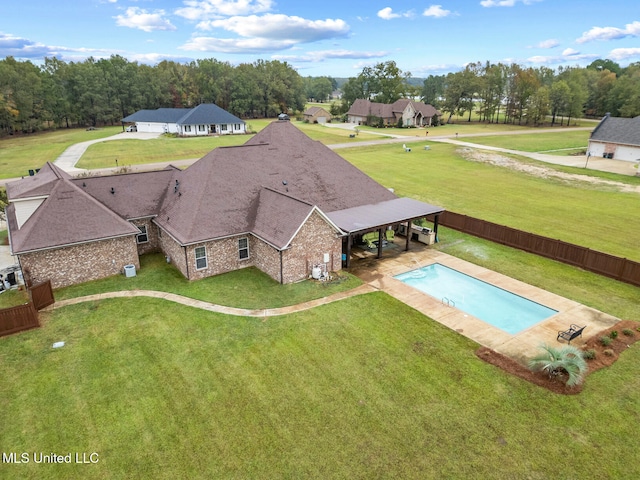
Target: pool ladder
[(449, 302)]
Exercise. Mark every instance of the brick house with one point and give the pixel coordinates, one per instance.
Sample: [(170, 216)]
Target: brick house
[(412, 113), (281, 202), (316, 115)]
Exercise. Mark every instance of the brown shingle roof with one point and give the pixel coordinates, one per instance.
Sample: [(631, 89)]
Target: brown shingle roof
[(40, 184), (68, 216), (135, 195), (219, 190)]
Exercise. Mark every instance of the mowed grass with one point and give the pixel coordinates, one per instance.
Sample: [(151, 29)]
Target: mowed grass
[(600, 218), (245, 288), (558, 143), (363, 388), (21, 153)]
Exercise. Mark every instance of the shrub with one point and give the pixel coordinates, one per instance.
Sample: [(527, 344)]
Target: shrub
[(556, 361), (628, 332), (589, 354), (613, 334), (605, 340), (608, 352)]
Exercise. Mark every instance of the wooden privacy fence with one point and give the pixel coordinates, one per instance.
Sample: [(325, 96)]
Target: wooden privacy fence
[(602, 263), (24, 317)]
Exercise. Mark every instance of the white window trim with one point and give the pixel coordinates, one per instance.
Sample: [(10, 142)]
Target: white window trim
[(195, 254), (143, 233), (240, 249)]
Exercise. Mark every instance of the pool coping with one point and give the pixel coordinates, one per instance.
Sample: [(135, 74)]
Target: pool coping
[(520, 346)]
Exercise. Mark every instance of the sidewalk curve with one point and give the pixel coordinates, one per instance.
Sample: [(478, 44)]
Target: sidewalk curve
[(212, 307)]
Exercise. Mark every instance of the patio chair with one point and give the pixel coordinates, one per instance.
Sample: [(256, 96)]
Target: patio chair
[(568, 335)]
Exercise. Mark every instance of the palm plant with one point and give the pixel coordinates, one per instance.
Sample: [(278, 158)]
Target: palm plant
[(557, 361)]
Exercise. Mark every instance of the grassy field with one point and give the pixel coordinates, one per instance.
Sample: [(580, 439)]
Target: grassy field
[(558, 143), (577, 212), (20, 153), (364, 388)]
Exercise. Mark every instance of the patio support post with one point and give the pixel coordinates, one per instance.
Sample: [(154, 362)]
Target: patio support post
[(348, 261), (379, 243), (408, 235), (435, 225)]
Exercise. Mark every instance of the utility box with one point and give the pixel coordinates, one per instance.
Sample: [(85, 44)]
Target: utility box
[(130, 270)]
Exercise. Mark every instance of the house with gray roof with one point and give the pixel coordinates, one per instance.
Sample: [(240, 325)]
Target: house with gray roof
[(412, 113), (316, 115), (281, 202), (617, 138), (205, 119)]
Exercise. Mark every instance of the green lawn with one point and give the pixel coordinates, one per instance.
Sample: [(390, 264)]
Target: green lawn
[(364, 388), (19, 154), (596, 217), (246, 288), (558, 143)]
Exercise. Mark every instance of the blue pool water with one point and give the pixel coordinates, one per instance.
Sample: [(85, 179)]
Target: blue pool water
[(493, 305)]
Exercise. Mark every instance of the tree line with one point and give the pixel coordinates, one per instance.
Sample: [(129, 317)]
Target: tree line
[(101, 92), (509, 93)]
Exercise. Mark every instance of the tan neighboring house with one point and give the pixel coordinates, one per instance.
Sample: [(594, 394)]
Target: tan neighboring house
[(412, 113), (316, 115), (617, 138), (281, 202)]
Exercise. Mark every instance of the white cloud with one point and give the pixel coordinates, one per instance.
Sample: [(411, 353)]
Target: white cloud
[(387, 14), (212, 9), (551, 43), (624, 53), (570, 52), (569, 55), (280, 27), (436, 11), (135, 17), (235, 45), (610, 33)]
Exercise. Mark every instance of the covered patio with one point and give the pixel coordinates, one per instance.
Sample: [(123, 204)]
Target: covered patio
[(397, 214)]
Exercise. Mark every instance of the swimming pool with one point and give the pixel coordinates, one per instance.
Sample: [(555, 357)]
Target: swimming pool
[(493, 305)]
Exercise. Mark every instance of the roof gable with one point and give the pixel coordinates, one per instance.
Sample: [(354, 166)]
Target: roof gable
[(208, 113), (68, 216), (38, 185)]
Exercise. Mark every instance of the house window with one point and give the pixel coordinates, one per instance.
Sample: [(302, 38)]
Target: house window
[(201, 128), (142, 236), (201, 258), (236, 126), (243, 248), (223, 127), (187, 128)]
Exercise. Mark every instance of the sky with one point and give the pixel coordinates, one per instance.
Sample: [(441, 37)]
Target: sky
[(327, 37)]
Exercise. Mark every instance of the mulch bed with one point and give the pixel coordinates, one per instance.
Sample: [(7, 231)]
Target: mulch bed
[(557, 385)]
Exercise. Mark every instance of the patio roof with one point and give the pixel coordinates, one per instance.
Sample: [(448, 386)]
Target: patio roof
[(369, 217)]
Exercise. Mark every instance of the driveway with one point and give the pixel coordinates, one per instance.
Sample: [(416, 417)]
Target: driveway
[(67, 161)]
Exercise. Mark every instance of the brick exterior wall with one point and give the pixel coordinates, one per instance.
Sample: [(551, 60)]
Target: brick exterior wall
[(153, 243), (222, 257), (308, 247), (266, 258), (174, 251), (81, 263)]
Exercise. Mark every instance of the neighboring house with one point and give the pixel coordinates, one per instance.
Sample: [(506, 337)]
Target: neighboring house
[(281, 202), (316, 115), (617, 138), (205, 119), (412, 113)]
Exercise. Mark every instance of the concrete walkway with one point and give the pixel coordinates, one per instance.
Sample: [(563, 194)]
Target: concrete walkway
[(212, 307)]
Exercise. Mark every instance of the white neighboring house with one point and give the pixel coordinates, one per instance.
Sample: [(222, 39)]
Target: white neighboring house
[(205, 119), (616, 137)]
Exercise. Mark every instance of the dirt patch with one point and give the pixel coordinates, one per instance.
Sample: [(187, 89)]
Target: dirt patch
[(540, 171), (556, 385)]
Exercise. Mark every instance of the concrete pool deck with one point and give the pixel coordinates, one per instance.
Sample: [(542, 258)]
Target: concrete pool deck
[(522, 346)]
